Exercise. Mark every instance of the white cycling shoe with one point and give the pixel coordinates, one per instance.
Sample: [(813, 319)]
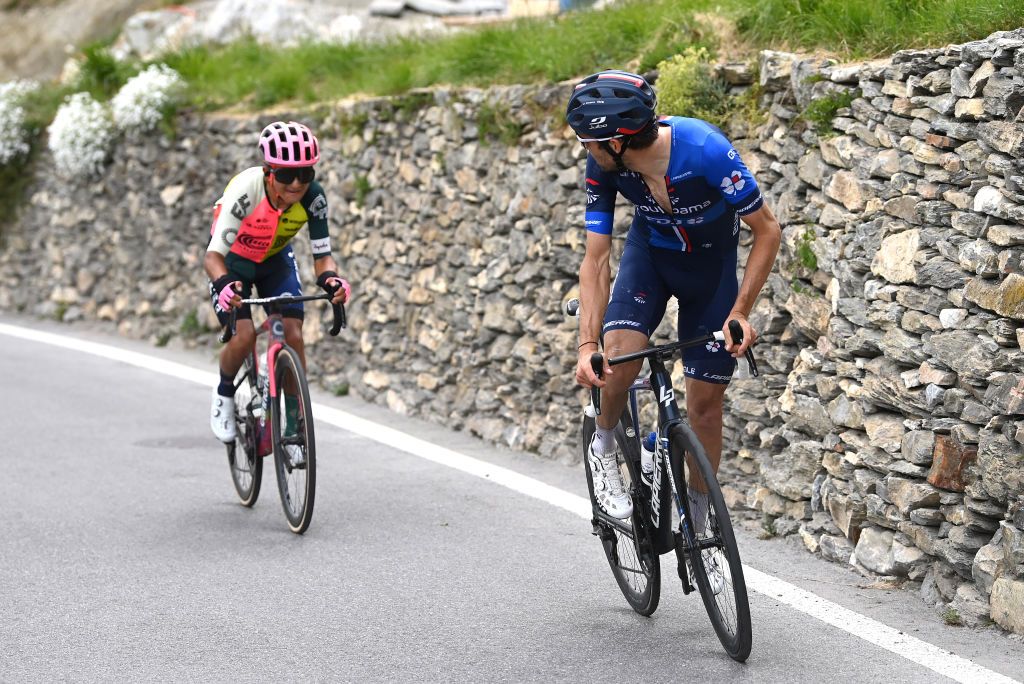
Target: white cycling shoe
[(222, 417), (609, 490), (716, 576), (295, 456)]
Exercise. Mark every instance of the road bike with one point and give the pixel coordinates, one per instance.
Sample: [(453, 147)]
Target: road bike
[(273, 414), (705, 548)]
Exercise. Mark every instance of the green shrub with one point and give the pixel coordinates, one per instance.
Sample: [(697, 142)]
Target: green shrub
[(687, 86), (190, 326), (363, 189), (100, 74), (951, 617), (821, 112), (804, 252)]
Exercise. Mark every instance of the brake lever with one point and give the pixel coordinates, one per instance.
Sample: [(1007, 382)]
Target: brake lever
[(340, 320), (751, 363), (736, 331), (597, 364), (230, 329)]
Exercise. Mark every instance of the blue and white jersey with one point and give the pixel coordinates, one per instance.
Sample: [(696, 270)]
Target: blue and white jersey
[(709, 188)]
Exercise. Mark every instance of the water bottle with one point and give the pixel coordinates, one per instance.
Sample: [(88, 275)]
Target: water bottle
[(647, 447)]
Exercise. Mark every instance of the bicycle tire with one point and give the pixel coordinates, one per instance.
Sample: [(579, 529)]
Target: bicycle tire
[(714, 551), (637, 572), (247, 471), (297, 484)]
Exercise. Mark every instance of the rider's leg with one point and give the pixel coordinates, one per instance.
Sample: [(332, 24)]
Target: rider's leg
[(222, 406), (238, 347), (602, 453), (614, 393), (704, 411), (293, 336)]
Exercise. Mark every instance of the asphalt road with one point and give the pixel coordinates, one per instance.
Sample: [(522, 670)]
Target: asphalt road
[(125, 555)]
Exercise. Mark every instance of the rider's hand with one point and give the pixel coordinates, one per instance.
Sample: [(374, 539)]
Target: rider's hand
[(749, 335), (585, 372), (337, 287), (227, 289)]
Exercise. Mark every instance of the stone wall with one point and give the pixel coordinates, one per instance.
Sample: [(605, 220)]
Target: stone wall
[(885, 431)]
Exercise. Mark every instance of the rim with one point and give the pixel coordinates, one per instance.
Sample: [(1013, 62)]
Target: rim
[(241, 468), (715, 561), (294, 445)]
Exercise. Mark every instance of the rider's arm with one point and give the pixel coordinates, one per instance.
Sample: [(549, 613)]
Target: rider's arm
[(724, 168), (595, 271), (315, 204), (595, 283), (767, 237), (323, 264), (215, 265)]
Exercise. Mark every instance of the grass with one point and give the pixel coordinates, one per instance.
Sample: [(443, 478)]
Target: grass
[(951, 617), (872, 28), (523, 51), (496, 123), (646, 32)]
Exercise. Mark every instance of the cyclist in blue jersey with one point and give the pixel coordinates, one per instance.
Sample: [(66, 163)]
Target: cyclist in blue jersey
[(690, 190)]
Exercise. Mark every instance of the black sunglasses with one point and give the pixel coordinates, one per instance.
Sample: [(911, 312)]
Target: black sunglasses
[(288, 175)]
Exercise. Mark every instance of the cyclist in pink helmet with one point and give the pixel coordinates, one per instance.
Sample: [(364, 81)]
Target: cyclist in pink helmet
[(261, 210)]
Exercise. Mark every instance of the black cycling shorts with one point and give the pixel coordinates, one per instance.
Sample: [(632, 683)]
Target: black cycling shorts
[(705, 287)]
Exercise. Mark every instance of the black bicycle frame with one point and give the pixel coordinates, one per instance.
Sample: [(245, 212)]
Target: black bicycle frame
[(656, 508)]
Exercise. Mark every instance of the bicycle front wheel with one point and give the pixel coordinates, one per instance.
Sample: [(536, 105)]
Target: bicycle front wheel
[(294, 449), (246, 465), (626, 543), (712, 551)]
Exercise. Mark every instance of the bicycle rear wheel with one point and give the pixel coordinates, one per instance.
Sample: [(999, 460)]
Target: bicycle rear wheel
[(246, 466), (713, 554), (294, 449), (626, 543)]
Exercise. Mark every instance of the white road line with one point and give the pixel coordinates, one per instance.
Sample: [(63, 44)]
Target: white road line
[(936, 659)]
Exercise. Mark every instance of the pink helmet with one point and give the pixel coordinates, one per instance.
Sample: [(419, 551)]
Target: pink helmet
[(289, 144)]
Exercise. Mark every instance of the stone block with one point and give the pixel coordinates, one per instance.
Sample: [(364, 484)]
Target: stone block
[(950, 462), (885, 431), (971, 605), (874, 551), (908, 495), (1007, 604), (835, 548), (895, 258)]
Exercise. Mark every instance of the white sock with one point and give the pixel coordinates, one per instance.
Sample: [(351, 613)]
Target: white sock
[(604, 440)]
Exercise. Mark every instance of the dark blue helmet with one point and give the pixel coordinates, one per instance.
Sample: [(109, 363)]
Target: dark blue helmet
[(610, 104)]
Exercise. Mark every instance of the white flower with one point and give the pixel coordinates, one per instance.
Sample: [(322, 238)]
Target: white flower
[(80, 136), (141, 102), (13, 132)]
